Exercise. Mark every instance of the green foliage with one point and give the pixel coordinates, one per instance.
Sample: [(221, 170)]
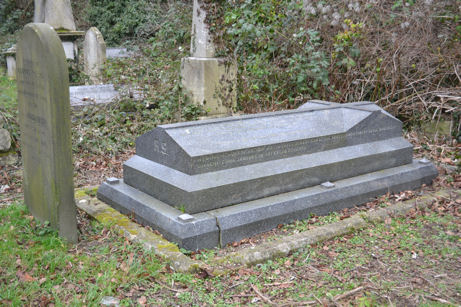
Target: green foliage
[(124, 20), (280, 60), (76, 75), (13, 17), (8, 106)]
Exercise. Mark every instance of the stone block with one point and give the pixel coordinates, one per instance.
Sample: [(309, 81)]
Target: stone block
[(85, 95), (117, 52), (210, 83)]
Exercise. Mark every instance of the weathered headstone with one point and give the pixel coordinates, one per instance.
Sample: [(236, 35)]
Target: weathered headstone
[(94, 53), (239, 176), (44, 117), (209, 81)]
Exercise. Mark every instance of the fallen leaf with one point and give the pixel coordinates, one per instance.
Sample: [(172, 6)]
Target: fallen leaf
[(142, 300), (25, 277)]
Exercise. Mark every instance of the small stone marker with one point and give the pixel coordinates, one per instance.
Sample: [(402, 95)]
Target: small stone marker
[(94, 53), (5, 140), (209, 81), (240, 176), (10, 55), (44, 117)]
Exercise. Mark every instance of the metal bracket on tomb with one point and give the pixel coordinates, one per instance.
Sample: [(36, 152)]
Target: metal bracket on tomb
[(186, 218), (328, 185), (424, 161), (112, 180)]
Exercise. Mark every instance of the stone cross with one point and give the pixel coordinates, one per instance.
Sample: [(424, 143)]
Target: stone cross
[(56, 13), (210, 82), (94, 53), (201, 44), (44, 118)]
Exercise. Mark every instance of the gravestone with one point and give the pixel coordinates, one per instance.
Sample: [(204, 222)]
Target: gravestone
[(44, 117), (212, 182), (94, 53), (209, 81)]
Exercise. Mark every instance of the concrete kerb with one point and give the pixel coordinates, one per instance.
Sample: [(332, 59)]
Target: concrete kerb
[(286, 245), (136, 233), (251, 255)]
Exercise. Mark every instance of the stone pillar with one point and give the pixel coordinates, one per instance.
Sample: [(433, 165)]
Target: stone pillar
[(39, 11), (58, 14), (94, 54), (209, 81)]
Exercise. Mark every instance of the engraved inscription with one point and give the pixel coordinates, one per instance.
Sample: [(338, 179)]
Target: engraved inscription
[(160, 147), (279, 150), (35, 134)]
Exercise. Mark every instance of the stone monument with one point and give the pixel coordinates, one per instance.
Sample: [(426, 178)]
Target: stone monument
[(209, 81), (94, 53), (44, 118), (58, 14), (208, 183)]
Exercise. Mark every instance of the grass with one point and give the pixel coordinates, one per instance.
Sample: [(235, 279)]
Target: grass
[(406, 261), (8, 104)]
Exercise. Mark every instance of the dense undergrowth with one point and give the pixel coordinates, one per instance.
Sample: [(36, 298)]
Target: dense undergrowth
[(403, 54)]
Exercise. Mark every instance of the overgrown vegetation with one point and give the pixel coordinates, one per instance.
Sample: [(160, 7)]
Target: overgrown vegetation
[(8, 106), (403, 54)]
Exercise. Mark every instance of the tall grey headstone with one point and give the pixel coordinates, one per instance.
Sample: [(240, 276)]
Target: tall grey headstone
[(239, 176), (209, 81), (44, 117), (94, 53)]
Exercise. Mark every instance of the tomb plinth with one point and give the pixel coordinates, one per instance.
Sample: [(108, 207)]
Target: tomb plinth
[(69, 42), (239, 176)]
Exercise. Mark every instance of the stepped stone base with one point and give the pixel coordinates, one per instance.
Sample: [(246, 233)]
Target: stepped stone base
[(229, 224)]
